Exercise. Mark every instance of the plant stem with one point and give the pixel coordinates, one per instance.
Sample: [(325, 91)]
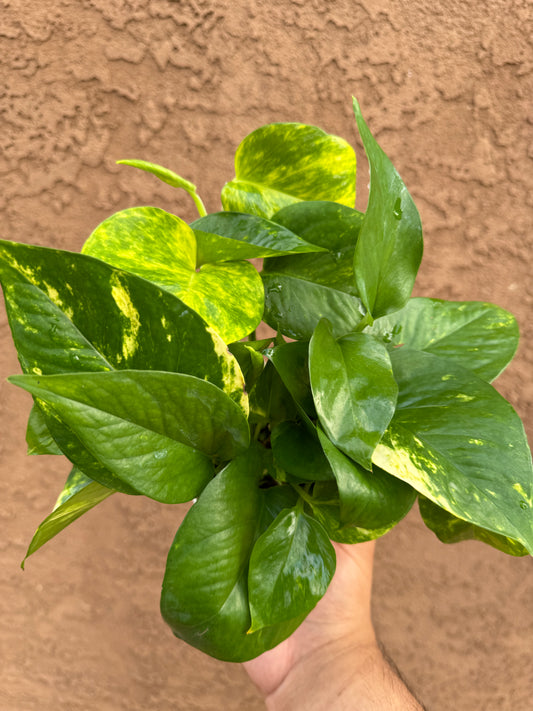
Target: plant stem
[(367, 320), (198, 202)]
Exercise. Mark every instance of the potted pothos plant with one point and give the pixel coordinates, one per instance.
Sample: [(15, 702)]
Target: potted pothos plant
[(141, 357)]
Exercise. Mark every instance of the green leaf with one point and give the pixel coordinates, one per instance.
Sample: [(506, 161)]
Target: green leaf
[(38, 437), (450, 529), (155, 431), (476, 335), (160, 247), (294, 306), (72, 313), (76, 481), (224, 236), (389, 248), (55, 301), (291, 361), (291, 566), (371, 501), (75, 500), (353, 389), (329, 225), (282, 163), (169, 177), (76, 452), (460, 444), (325, 507), (298, 453), (205, 589), (269, 400)]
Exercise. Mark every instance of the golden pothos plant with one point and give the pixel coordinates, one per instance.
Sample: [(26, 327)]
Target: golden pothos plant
[(141, 357)]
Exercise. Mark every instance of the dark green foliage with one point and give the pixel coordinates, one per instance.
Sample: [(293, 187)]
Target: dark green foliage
[(134, 356)]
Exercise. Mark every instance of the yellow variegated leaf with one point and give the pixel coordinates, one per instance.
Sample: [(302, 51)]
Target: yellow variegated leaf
[(160, 247), (282, 163)]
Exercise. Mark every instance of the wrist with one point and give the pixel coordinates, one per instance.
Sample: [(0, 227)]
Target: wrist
[(321, 678), (342, 677)]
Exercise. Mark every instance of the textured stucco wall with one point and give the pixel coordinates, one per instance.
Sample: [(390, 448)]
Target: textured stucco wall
[(446, 87)]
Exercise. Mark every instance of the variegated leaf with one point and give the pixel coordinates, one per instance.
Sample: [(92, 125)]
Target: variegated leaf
[(460, 444), (80, 494), (479, 336), (450, 529), (282, 163), (160, 247)]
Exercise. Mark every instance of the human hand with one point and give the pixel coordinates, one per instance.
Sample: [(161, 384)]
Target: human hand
[(332, 661)]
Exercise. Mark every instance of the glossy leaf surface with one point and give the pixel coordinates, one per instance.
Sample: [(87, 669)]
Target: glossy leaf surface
[(291, 566), (450, 529), (327, 224), (156, 431), (479, 336), (282, 163), (326, 508), (187, 409), (298, 453), (353, 389), (389, 248), (160, 247), (460, 444), (294, 306), (225, 236), (370, 500), (205, 588), (55, 301)]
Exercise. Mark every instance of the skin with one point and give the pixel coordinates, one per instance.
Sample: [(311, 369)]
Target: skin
[(333, 661)]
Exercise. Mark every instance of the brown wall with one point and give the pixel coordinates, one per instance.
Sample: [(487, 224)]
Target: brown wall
[(447, 88)]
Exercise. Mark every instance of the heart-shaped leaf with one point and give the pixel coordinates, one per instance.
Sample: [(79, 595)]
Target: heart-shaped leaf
[(160, 247), (353, 389), (450, 529), (476, 335), (389, 248), (69, 313), (460, 444), (205, 589), (282, 163), (155, 431), (327, 224), (224, 236), (291, 566)]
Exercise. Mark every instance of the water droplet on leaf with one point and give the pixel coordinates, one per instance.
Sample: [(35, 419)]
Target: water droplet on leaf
[(397, 211)]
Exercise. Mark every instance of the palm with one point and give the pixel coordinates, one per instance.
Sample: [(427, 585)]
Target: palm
[(341, 617)]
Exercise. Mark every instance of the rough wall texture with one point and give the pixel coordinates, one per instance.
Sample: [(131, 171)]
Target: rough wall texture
[(447, 89)]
